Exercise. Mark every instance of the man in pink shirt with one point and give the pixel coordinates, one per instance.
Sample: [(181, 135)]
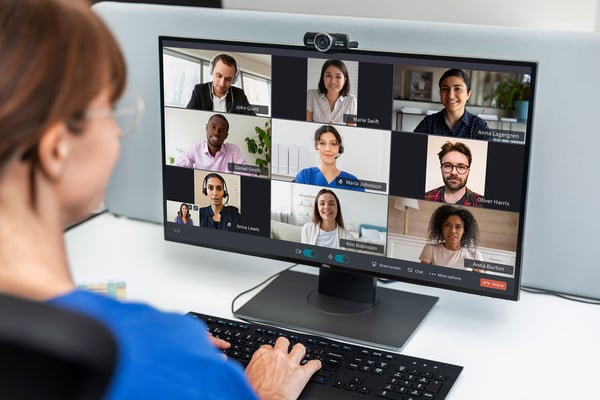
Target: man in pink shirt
[(213, 153)]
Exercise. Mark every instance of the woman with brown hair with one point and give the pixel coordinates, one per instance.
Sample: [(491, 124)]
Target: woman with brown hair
[(61, 72), (183, 215), (327, 226)]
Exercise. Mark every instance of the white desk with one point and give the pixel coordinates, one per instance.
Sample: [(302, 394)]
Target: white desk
[(540, 347)]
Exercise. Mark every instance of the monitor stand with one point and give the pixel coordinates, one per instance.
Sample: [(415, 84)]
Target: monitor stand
[(341, 305)]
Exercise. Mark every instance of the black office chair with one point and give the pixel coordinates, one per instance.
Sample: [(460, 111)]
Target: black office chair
[(50, 353)]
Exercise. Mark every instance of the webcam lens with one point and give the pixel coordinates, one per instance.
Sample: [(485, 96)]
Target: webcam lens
[(323, 41)]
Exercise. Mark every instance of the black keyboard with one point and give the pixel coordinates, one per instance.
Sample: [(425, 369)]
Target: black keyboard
[(348, 371)]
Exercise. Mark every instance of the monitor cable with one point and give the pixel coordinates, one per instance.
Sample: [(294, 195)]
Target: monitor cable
[(566, 296), (269, 279)]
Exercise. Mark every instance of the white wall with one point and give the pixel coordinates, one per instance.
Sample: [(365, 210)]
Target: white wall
[(580, 15)]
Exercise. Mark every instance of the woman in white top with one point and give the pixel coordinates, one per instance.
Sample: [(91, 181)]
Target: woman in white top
[(454, 231), (332, 103), (327, 226)]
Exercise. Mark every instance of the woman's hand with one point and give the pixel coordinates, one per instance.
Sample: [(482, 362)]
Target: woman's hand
[(276, 374), (219, 343)]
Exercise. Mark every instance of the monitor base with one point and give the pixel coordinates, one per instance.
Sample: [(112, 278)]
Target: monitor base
[(293, 301)]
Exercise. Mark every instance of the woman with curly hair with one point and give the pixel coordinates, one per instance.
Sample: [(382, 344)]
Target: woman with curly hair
[(454, 232)]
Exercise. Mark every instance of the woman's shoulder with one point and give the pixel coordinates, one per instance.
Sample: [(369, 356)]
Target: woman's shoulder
[(347, 175), (475, 119), (310, 226), (431, 245), (204, 211), (436, 115), (150, 339), (305, 174), (313, 93)]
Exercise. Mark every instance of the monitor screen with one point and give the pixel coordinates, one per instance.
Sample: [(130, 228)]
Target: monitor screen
[(409, 167)]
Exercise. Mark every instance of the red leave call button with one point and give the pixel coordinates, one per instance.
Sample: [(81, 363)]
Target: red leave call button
[(492, 284)]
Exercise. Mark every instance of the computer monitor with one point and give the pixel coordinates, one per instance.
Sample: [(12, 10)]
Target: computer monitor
[(344, 160)]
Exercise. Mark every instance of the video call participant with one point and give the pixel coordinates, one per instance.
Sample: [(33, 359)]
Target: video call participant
[(327, 226), (59, 142), (328, 143), (455, 232), (183, 215), (218, 215), (332, 99), (454, 120), (219, 95), (455, 164), (213, 153)]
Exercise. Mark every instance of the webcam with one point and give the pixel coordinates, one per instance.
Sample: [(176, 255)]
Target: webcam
[(324, 42)]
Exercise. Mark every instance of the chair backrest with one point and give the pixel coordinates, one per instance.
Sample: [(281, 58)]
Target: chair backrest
[(51, 353)]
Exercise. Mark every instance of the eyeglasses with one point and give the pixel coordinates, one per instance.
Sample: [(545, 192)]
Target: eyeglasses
[(461, 169), (127, 113)]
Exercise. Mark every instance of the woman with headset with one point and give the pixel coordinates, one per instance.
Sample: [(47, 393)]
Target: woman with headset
[(218, 215), (328, 143)]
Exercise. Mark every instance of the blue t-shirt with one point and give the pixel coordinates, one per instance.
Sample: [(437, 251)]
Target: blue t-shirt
[(314, 176), (161, 355)]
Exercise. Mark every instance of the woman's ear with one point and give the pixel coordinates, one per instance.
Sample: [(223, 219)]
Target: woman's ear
[(53, 149)]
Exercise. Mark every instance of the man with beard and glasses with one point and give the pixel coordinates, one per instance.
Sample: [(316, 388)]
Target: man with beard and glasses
[(455, 164)]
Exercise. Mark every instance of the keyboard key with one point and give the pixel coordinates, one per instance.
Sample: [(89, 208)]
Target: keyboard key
[(387, 394)]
